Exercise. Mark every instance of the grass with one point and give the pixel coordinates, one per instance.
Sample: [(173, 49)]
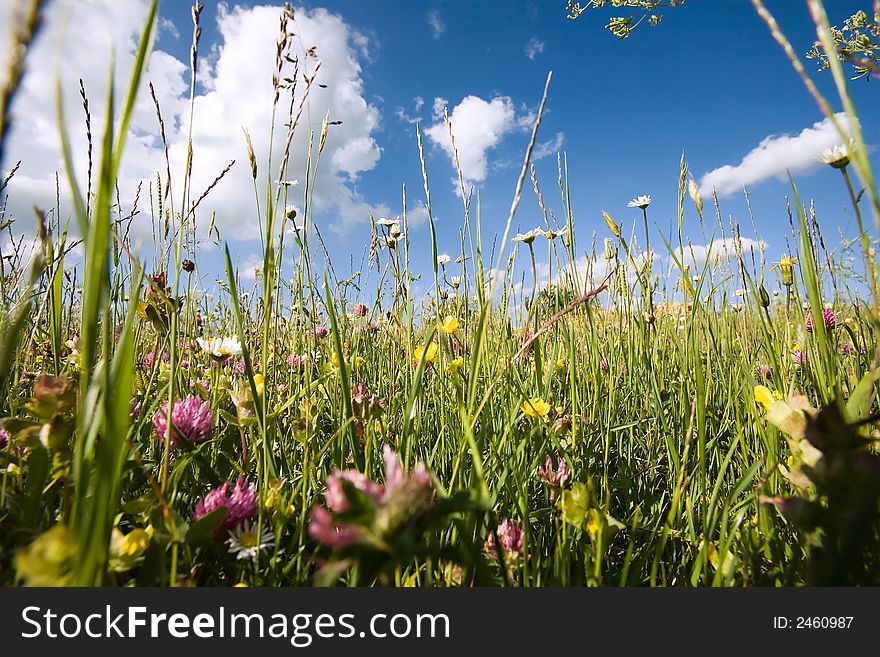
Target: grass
[(662, 418)]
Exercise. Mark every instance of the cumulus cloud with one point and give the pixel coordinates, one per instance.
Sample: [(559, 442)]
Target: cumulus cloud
[(478, 126), (236, 92), (438, 27), (773, 157), (533, 47)]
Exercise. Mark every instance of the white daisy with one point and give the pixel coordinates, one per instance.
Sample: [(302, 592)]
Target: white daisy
[(220, 347), (456, 281), (837, 156), (553, 234), (640, 202), (248, 540), (529, 237), (388, 222), (443, 259)]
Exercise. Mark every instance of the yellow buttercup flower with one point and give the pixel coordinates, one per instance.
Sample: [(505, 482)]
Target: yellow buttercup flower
[(430, 353), (455, 364), (766, 397), (358, 361), (449, 324), (259, 384), (561, 364), (135, 542), (536, 407)]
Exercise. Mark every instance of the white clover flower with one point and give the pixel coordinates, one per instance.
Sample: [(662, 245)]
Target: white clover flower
[(640, 202)]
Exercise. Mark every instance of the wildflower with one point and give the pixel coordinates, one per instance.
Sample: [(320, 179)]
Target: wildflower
[(763, 370), (126, 550), (395, 504), (837, 156), (553, 234), (603, 365), (248, 540), (321, 332), (641, 202), (429, 352), (358, 361), (188, 266), (786, 269), (766, 397), (220, 348), (847, 349), (191, 417), (443, 259), (454, 365), (297, 362), (241, 504), (510, 535), (388, 222), (529, 237), (449, 324), (828, 318), (561, 364), (4, 438), (557, 476), (360, 310), (150, 359), (239, 367), (798, 356), (536, 407), (456, 281)]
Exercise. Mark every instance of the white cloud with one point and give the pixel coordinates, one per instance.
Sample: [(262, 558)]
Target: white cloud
[(438, 27), (549, 147), (417, 216), (720, 250), (478, 126), (773, 157), (236, 93), (167, 25), (533, 48)]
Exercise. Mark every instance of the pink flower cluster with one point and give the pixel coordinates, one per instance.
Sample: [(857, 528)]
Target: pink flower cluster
[(241, 504), (557, 476), (511, 536), (191, 417), (150, 359), (402, 494), (828, 318)]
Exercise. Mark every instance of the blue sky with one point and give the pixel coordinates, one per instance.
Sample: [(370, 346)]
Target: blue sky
[(709, 81)]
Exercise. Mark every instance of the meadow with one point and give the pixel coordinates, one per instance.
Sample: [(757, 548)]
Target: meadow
[(652, 417)]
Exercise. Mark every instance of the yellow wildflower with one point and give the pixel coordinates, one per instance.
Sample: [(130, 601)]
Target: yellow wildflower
[(449, 324), (358, 361), (429, 352), (765, 397), (536, 407), (455, 364), (259, 384)]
